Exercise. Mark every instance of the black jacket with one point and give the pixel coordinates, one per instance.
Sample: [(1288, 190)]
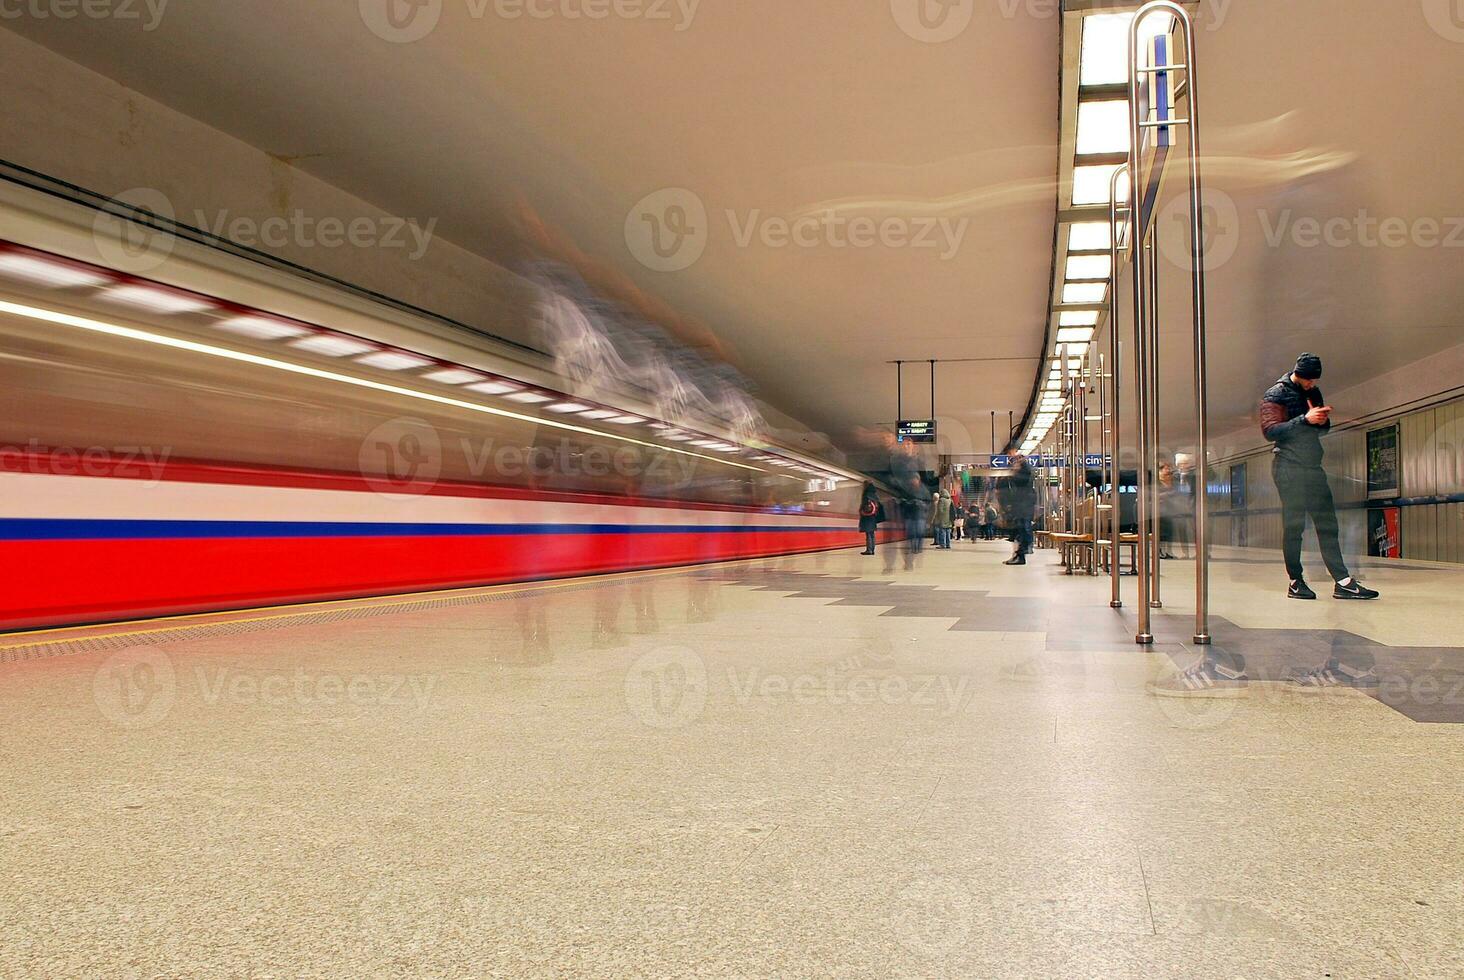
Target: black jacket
[(1283, 421), (1018, 496)]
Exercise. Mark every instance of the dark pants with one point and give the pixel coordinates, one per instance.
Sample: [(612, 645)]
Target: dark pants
[(869, 540), (1304, 491), (1022, 535)]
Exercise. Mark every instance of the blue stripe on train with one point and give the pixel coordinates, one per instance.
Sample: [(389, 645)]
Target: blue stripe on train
[(45, 529)]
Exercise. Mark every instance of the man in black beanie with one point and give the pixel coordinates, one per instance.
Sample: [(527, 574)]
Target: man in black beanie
[(1294, 416)]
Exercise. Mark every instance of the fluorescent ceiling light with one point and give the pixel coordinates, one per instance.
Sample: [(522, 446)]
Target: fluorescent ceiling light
[(494, 387), (1084, 292), (261, 327), (1075, 335), (453, 376), (1091, 184), (46, 273), (1078, 318), (331, 345), (1089, 266), (1088, 236), (601, 413), (529, 397), (1105, 45), (627, 419), (390, 360), (1103, 127), (566, 408), (156, 300)]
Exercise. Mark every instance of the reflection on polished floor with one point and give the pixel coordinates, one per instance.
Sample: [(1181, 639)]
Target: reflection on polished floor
[(803, 767)]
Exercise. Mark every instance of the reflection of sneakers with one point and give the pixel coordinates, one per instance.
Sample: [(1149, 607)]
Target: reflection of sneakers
[(1298, 589), (1353, 590), (1206, 679), (1335, 675)]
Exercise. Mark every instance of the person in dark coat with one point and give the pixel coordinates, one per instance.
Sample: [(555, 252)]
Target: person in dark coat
[(871, 515), (1018, 497), (1294, 417)]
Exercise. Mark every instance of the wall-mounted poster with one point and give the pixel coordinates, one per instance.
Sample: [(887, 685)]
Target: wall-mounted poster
[(1382, 463), (1384, 532)]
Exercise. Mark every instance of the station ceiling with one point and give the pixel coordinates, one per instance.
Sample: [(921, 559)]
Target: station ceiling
[(831, 186)]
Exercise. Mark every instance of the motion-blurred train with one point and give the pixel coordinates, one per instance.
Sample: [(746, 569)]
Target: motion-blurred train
[(209, 432)]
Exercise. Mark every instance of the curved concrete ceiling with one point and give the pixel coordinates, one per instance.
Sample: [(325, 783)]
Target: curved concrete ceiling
[(770, 110), (764, 111)]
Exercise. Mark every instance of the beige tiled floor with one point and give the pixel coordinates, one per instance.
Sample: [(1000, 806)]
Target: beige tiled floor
[(667, 775)]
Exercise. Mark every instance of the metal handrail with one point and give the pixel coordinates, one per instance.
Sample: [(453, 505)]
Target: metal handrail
[(1147, 333)]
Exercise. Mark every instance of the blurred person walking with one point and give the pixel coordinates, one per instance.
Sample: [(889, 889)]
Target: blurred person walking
[(1018, 497)]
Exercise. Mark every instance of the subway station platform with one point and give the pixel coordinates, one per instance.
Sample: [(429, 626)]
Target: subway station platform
[(813, 766)]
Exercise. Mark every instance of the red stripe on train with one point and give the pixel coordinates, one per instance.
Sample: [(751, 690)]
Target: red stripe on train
[(64, 582)]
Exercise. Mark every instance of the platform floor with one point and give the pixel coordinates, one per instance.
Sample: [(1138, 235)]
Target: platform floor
[(819, 766)]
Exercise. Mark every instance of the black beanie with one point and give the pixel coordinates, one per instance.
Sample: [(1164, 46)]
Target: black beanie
[(1308, 366)]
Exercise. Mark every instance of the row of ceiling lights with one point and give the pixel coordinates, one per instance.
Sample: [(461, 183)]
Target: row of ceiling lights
[(1102, 130), (52, 271)]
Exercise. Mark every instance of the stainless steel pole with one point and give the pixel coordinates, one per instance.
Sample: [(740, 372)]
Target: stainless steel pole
[(1156, 518), (1145, 633), (1202, 395), (1115, 366)]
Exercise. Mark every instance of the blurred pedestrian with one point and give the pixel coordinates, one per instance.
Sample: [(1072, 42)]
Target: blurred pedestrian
[(1018, 504), (871, 516)]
